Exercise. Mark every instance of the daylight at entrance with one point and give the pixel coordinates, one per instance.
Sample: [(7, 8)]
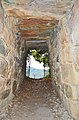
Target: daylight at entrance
[(36, 69)]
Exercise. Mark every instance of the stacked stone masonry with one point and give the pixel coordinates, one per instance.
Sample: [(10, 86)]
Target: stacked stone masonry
[(12, 53), (63, 54), (65, 67)]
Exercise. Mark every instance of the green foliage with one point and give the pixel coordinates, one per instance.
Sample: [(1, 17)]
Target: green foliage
[(40, 56), (6, 1), (36, 54)]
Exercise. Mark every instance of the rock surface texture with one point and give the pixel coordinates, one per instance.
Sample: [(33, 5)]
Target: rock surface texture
[(36, 100), (51, 25)]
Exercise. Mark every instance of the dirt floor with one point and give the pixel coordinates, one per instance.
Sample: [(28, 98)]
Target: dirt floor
[(36, 100)]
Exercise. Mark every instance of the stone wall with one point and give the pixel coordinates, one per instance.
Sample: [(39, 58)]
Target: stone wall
[(64, 60), (12, 57), (54, 58), (73, 30), (69, 93), (63, 54)]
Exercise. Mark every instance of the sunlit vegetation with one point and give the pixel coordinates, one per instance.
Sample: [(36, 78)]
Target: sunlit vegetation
[(6, 1), (41, 56)]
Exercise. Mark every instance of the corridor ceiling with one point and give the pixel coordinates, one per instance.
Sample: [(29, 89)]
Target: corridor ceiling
[(37, 17)]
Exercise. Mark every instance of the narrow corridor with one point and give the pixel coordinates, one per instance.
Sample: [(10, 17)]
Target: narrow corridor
[(36, 100)]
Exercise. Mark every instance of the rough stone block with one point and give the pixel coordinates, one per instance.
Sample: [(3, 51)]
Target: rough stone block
[(75, 56), (68, 91), (67, 73), (10, 58), (65, 55), (3, 66), (2, 83), (5, 94), (74, 109), (71, 91), (3, 47)]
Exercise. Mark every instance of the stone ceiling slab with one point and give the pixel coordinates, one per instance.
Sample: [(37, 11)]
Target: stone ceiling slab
[(37, 18), (36, 27), (38, 8)]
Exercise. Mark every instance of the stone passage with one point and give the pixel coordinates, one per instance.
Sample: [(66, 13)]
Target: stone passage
[(48, 24), (36, 100)]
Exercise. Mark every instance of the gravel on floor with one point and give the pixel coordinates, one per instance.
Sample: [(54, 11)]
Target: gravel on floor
[(36, 100)]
